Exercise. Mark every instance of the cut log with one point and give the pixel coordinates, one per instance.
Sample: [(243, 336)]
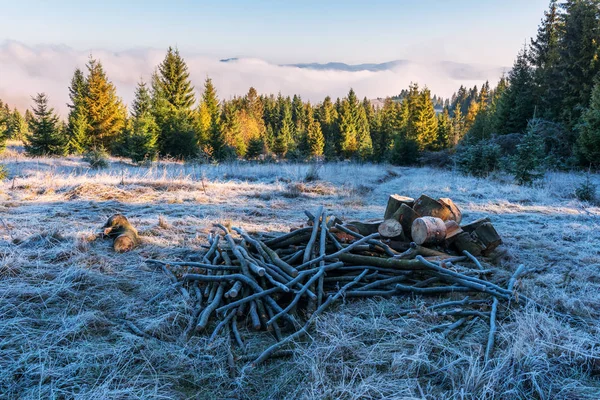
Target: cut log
[(468, 242), (474, 225), (395, 201), (428, 230), (487, 235), (126, 241), (390, 228), (452, 230), (454, 210), (425, 206), (364, 228), (406, 216)]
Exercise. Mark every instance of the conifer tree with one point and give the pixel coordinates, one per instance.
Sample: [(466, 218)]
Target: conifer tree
[(78, 127), (172, 101), (528, 160), (16, 125), (588, 142), (444, 130), (544, 56), (579, 60), (327, 116), (516, 106), (141, 141), (316, 140), (174, 81), (363, 135), (44, 131), (105, 112), (458, 127)]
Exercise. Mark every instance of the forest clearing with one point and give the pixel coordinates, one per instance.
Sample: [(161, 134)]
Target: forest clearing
[(67, 297)]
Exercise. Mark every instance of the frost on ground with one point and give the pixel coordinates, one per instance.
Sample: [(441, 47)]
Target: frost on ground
[(66, 299)]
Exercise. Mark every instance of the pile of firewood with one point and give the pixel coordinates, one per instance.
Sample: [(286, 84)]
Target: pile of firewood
[(281, 283)]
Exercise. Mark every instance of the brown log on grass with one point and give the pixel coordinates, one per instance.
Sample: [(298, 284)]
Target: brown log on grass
[(456, 214), (468, 242), (406, 216), (425, 206), (395, 201), (124, 234), (364, 228), (391, 229), (487, 234), (470, 227), (428, 230), (452, 231)]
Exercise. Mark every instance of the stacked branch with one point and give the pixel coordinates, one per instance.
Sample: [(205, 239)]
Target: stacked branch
[(281, 284)]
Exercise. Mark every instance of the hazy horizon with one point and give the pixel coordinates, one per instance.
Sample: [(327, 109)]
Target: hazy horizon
[(131, 38)]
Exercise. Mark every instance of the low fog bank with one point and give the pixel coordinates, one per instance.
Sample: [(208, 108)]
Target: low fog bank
[(26, 70)]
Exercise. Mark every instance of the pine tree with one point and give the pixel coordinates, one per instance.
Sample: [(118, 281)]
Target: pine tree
[(389, 128), (174, 81), (363, 135), (588, 142), (210, 119), (327, 116), (105, 112), (141, 141), (544, 56), (444, 130), (579, 60), (45, 136), (78, 126), (172, 101), (16, 126), (527, 162), (516, 106), (316, 140), (458, 128)]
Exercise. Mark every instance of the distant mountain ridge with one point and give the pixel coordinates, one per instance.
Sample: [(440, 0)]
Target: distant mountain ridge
[(339, 66)]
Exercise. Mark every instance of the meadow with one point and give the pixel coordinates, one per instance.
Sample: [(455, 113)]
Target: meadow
[(66, 297)]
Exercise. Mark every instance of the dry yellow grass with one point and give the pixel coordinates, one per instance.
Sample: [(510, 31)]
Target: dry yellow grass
[(66, 299)]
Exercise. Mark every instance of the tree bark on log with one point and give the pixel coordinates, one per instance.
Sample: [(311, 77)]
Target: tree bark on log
[(454, 210), (466, 241), (428, 230), (395, 201), (391, 263), (364, 228), (425, 206), (486, 233), (406, 216), (470, 227)]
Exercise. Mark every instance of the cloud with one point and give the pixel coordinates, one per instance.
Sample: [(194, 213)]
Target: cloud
[(26, 70)]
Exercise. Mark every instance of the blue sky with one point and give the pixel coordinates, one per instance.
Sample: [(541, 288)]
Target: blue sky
[(484, 31)]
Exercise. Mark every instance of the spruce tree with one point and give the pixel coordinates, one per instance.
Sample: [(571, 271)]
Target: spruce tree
[(44, 136), (516, 105), (544, 56), (16, 126), (579, 56), (78, 126), (444, 130), (316, 140), (174, 81), (172, 100), (141, 140), (106, 113), (527, 164), (363, 135), (588, 142), (327, 116)]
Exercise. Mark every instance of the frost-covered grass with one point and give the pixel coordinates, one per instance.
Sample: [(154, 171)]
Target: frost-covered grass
[(65, 297)]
